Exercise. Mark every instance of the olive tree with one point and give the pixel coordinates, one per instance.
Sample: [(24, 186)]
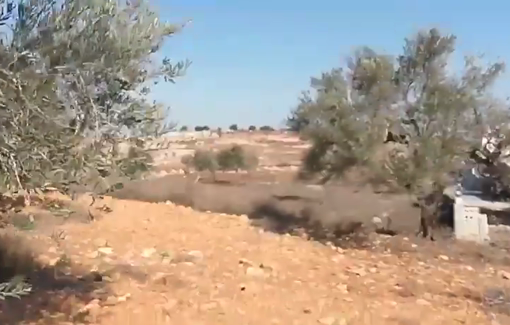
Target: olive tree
[(74, 80), (349, 111)]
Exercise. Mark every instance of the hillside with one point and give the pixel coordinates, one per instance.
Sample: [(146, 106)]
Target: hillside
[(166, 264)]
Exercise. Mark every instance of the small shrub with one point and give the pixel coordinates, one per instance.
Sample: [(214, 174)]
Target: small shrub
[(266, 128), (187, 160), (202, 128), (233, 127), (184, 128), (235, 158), (252, 128), (201, 160)]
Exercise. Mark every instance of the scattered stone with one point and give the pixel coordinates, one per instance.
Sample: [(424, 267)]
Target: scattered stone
[(189, 257), (256, 272), (53, 261), (110, 301), (422, 302), (504, 274), (166, 260), (377, 222), (357, 271), (148, 252), (196, 254), (105, 250), (90, 309), (160, 278), (443, 257), (94, 254), (244, 261), (124, 297), (343, 288), (327, 321), (337, 258)]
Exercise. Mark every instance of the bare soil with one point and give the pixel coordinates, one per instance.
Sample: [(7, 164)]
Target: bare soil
[(277, 200), (254, 248), (157, 263)]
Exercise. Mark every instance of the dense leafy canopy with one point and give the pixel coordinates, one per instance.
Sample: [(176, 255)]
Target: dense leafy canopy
[(349, 111), (74, 79)]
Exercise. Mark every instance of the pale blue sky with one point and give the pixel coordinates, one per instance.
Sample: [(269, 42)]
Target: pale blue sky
[(251, 59)]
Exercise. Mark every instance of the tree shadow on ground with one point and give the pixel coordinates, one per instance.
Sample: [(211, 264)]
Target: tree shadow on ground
[(304, 220), (337, 215), (322, 213), (56, 291), (61, 290), (294, 215)]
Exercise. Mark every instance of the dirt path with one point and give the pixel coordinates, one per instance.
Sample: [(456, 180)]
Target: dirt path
[(165, 264), (283, 204)]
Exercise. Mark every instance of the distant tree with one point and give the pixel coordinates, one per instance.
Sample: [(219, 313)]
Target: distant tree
[(266, 128), (201, 160), (184, 128), (236, 158), (348, 114), (233, 127), (252, 128), (202, 128), (298, 119), (74, 82)]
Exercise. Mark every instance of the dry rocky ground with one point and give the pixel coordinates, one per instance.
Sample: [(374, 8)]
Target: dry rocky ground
[(132, 262)]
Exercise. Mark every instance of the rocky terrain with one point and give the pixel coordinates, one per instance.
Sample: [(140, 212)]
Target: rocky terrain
[(152, 260)]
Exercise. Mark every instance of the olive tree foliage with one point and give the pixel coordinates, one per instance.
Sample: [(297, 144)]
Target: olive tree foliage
[(74, 80), (349, 111)]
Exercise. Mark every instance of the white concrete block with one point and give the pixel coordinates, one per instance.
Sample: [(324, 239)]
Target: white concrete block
[(470, 224)]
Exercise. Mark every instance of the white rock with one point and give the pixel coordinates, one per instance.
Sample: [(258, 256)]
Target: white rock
[(148, 252), (255, 272), (105, 250)]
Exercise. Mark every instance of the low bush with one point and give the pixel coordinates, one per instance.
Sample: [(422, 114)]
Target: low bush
[(236, 158), (233, 158), (266, 128), (201, 160)]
